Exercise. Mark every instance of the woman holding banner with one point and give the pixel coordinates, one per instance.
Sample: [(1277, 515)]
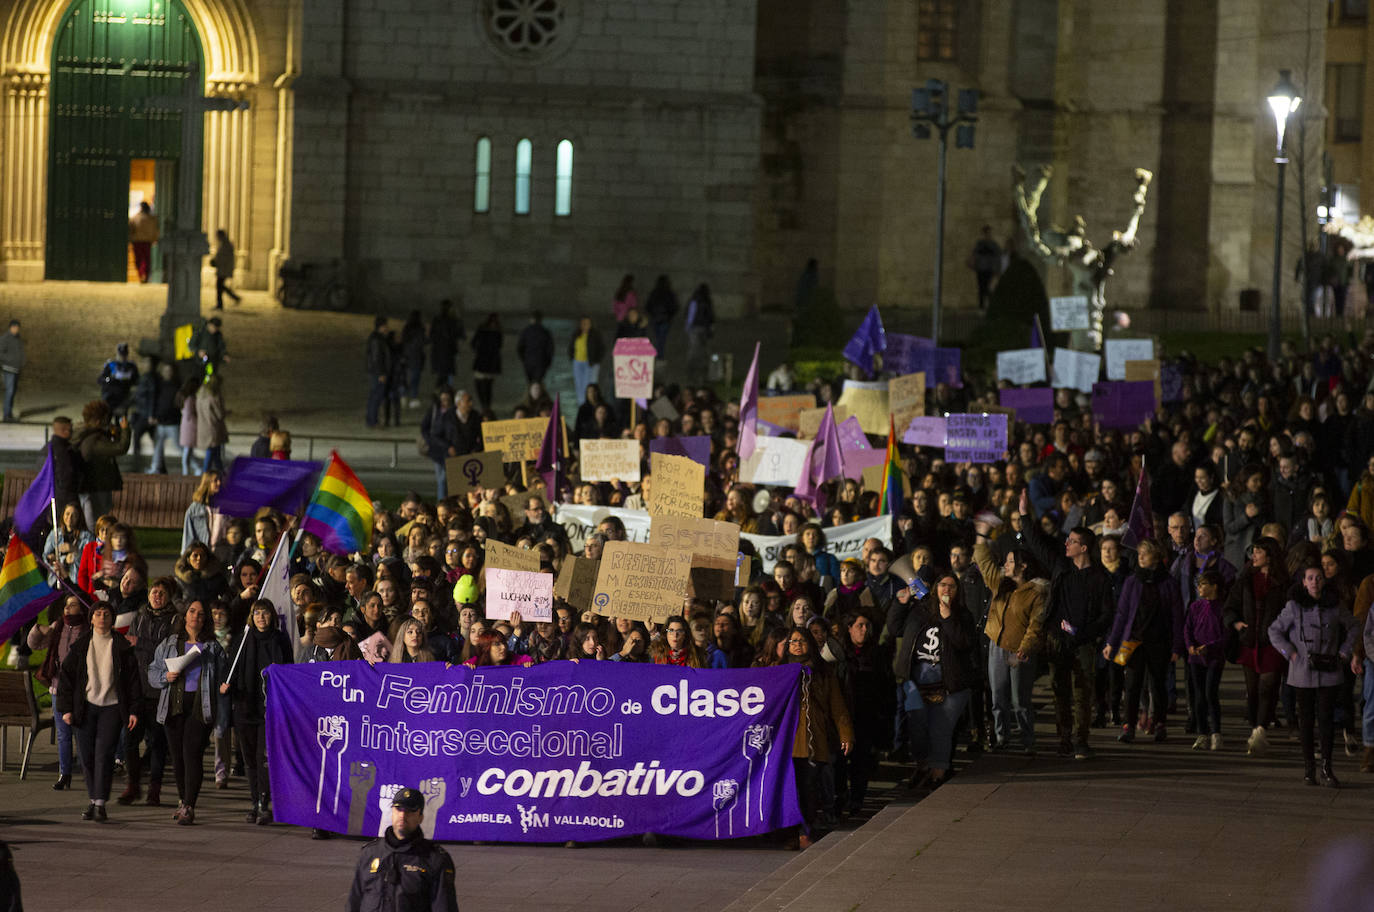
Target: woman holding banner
[(190, 705), (254, 649)]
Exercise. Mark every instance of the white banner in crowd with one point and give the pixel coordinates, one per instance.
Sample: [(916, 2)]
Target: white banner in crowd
[(1021, 366), (844, 541), (775, 461), (1119, 351), (1069, 312), (1075, 370)]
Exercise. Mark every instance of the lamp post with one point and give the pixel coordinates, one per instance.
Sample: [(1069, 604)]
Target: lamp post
[(930, 108), (1283, 101)]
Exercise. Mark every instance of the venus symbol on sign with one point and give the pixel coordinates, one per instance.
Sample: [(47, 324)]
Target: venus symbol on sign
[(601, 600), (472, 470)]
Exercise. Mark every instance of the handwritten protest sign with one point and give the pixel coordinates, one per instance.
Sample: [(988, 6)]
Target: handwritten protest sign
[(1069, 312), (576, 583), (1075, 370), (775, 461), (517, 440), (503, 557), (633, 361), (785, 411), (475, 470), (976, 438), (810, 420), (679, 485), (605, 460), (1021, 366), (531, 594), (926, 430), (1034, 406), (868, 403), (906, 398), (642, 582), (1119, 351), (715, 551)]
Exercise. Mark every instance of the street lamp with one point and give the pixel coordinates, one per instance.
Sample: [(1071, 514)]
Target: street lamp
[(930, 108), (1283, 101)]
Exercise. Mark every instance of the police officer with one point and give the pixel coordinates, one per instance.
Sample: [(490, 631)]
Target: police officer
[(403, 870)]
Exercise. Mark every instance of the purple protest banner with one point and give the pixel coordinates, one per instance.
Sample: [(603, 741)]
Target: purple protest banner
[(1033, 406), (975, 438), (697, 449), (1123, 403), (901, 354), (550, 753), (926, 430), (852, 435)]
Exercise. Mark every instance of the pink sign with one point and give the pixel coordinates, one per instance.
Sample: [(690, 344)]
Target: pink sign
[(855, 461), (633, 359), (852, 435), (926, 430)]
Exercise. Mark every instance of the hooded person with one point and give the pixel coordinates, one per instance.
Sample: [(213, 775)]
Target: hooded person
[(262, 644)]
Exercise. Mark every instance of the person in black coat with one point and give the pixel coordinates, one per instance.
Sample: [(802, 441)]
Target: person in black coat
[(864, 671), (378, 367), (64, 461), (445, 332), (450, 429), (413, 357), (97, 707), (262, 644), (535, 348), (402, 869), (486, 359)]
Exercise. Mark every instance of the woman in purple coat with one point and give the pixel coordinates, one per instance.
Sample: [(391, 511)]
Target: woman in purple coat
[(1148, 629), (1316, 634)]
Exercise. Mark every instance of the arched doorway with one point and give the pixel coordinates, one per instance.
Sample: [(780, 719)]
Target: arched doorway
[(108, 150)]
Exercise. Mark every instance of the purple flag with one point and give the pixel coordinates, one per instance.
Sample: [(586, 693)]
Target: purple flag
[(558, 751), (1033, 406), (697, 449), (283, 484), (33, 503), (749, 409), (868, 340), (824, 460), (550, 455), (1141, 526)]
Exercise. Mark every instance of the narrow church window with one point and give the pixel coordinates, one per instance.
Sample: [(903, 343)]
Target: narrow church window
[(481, 186), (524, 154), (937, 29), (562, 186)]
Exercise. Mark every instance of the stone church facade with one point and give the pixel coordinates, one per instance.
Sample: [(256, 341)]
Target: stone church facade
[(527, 153)]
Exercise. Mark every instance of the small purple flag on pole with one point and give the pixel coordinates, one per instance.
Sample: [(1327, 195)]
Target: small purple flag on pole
[(824, 460), (1037, 334), (749, 409), (1141, 526), (33, 503), (550, 452), (868, 340)]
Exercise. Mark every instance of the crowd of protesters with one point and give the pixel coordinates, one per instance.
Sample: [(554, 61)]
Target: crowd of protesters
[(1252, 549)]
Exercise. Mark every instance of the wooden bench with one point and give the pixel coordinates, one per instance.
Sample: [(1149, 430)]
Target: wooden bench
[(146, 502), (19, 708)]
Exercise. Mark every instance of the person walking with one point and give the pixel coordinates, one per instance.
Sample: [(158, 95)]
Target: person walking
[(69, 626), (97, 695), (413, 341), (11, 363), (143, 234), (486, 359), (1146, 635), (224, 263), (165, 417), (99, 446), (209, 345), (445, 332), (1255, 601), (262, 645), (585, 351), (402, 869), (1204, 635), (661, 306), (1316, 634), (187, 430), (1016, 617), (212, 432), (154, 623), (189, 703), (986, 263), (625, 299), (378, 366), (701, 318), (534, 346), (117, 379)]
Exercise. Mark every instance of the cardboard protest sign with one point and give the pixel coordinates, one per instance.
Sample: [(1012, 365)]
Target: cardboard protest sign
[(926, 430), (1146, 370), (1119, 351), (1021, 366), (663, 408), (503, 557), (642, 582), (715, 551), (576, 583), (868, 403), (475, 470), (775, 461), (784, 411), (810, 420), (1075, 370), (906, 398), (633, 361), (531, 594), (697, 449), (516, 503), (1033, 406), (976, 438), (517, 440), (605, 460), (1069, 312), (679, 485)]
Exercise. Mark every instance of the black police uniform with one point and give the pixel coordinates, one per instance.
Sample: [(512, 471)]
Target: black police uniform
[(410, 875)]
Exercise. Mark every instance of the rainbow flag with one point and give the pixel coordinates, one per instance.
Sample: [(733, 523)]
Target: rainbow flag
[(23, 590), (340, 513), (892, 474)]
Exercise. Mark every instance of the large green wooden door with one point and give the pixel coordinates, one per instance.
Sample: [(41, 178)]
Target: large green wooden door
[(109, 56)]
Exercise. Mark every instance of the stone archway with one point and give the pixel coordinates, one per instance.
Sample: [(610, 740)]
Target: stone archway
[(230, 49)]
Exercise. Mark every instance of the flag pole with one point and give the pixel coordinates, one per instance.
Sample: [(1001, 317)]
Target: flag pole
[(243, 640)]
